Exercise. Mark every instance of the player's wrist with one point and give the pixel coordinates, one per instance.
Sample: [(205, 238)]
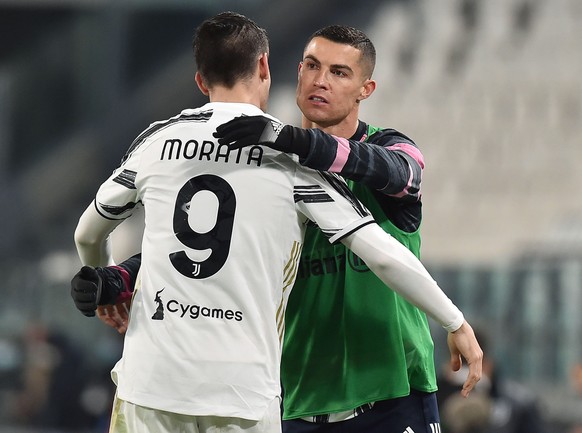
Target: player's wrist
[(456, 323), (112, 285), (294, 140)]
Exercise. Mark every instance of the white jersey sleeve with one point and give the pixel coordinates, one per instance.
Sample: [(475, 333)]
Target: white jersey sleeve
[(401, 270), (118, 196), (327, 201)]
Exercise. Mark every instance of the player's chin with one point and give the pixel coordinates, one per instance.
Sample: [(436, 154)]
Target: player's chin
[(317, 114)]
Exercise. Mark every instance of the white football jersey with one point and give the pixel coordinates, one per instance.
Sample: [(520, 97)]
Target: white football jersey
[(222, 240)]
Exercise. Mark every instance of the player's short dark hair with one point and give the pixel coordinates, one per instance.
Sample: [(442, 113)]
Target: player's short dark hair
[(227, 47), (353, 37)]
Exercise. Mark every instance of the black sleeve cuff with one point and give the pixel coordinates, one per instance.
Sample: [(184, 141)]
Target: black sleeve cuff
[(111, 285), (294, 140), (132, 266)]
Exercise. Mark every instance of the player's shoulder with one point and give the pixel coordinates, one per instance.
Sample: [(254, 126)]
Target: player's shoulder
[(222, 110), (150, 131), (387, 136), (199, 115)]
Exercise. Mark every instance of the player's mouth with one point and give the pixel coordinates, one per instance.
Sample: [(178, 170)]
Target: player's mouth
[(317, 99)]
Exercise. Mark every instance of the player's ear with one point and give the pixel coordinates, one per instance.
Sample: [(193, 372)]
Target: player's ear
[(200, 83), (264, 72), (367, 89)]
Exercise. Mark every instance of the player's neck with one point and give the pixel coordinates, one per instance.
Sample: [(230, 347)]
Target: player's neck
[(345, 129), (239, 93)]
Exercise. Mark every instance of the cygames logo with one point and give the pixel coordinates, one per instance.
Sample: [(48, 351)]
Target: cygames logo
[(193, 311)]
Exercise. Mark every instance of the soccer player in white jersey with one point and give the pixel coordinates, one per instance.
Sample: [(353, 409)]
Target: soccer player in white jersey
[(223, 233)]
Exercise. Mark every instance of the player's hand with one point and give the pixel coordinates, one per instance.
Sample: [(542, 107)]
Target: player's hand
[(86, 290), (116, 316), (463, 344), (249, 131)]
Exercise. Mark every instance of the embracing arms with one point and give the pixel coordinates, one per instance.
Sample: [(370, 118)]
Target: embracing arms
[(390, 163), (393, 263)]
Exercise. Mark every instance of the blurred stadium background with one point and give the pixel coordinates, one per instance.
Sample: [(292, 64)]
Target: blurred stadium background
[(491, 90)]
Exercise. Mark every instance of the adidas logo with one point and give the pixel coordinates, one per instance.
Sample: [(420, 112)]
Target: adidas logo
[(276, 127), (435, 427)]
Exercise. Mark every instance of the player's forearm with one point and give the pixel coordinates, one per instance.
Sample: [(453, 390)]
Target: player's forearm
[(92, 238), (394, 170), (94, 253), (130, 269), (398, 268)]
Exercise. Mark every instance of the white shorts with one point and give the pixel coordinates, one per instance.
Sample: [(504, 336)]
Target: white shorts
[(131, 418)]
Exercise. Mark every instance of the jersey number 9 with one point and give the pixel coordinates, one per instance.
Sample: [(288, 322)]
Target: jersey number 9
[(216, 239)]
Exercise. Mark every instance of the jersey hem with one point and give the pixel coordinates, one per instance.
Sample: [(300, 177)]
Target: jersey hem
[(299, 415)]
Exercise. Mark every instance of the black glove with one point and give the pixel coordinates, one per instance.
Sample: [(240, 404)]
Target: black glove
[(86, 290), (249, 131), (252, 130), (91, 287)]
